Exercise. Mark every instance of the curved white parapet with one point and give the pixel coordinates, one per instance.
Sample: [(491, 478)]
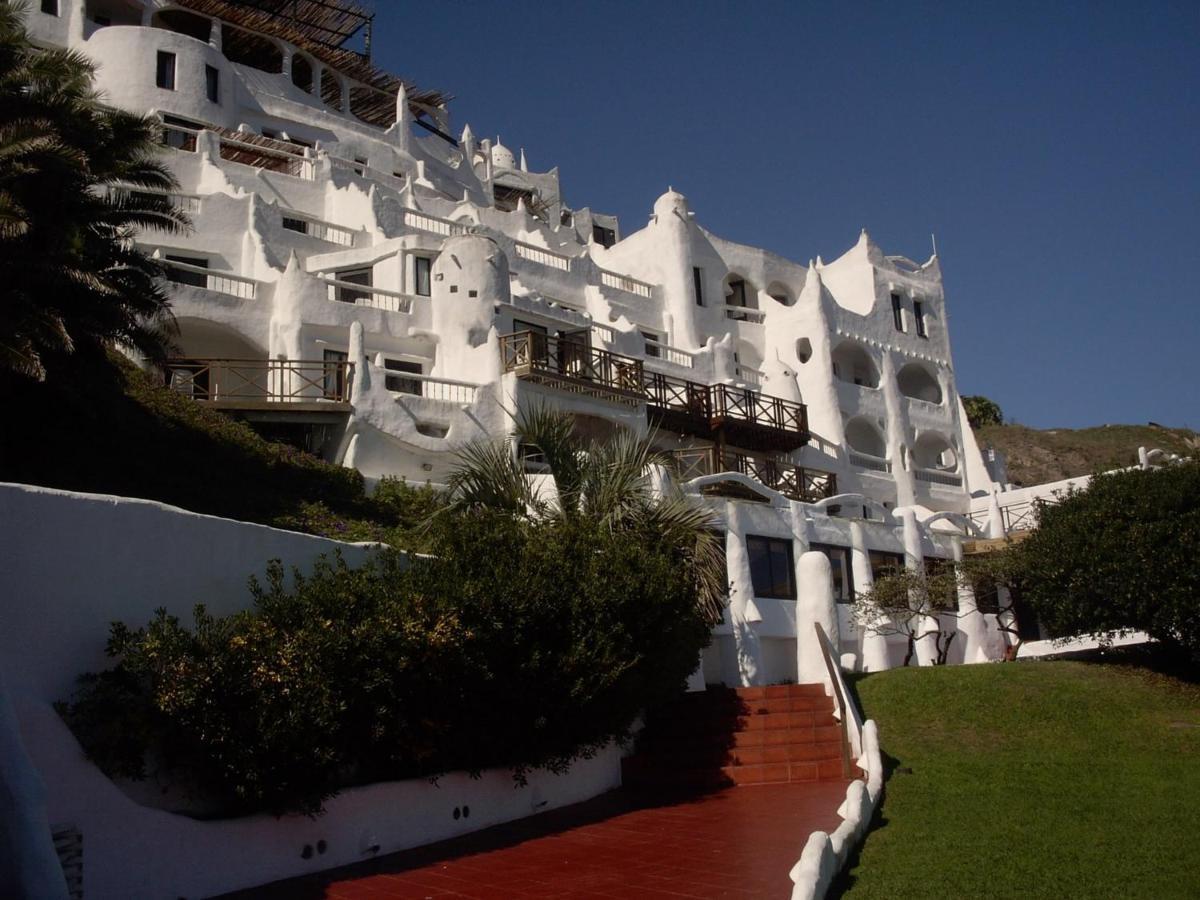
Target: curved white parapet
[(825, 854)]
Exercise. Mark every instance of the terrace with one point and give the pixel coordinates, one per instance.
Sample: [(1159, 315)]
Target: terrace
[(794, 482), (717, 412), (277, 385)]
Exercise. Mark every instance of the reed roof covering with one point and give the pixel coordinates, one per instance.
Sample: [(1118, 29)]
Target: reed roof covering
[(322, 28)]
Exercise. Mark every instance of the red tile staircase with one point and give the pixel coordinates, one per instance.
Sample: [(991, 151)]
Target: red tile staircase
[(722, 736)]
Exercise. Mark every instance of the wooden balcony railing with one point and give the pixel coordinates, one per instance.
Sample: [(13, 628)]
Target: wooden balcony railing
[(573, 365), (744, 417), (252, 383), (795, 482)]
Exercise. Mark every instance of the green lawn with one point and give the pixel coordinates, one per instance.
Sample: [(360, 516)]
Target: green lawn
[(1034, 779)]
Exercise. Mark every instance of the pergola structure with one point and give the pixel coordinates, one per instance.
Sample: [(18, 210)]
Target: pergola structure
[(323, 28)]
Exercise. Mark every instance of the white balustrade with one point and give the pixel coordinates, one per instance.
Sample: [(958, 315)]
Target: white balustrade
[(366, 295), (208, 280), (543, 257), (625, 283)]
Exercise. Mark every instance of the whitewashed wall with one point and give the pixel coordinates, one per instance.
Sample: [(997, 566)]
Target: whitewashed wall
[(70, 564)]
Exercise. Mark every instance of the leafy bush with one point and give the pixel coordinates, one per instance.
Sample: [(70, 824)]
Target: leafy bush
[(982, 411), (1122, 554), (518, 644)]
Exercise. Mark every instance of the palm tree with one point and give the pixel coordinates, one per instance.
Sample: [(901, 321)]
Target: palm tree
[(77, 180), (606, 484)]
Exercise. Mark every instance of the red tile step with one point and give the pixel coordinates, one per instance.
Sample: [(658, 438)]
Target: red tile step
[(758, 735)]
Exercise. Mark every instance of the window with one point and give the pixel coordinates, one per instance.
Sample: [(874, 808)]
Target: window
[(566, 218), (937, 567), (605, 237), (353, 276), (898, 312), (698, 284), (652, 347), (184, 276), (102, 21), (164, 75), (300, 226), (421, 268), (843, 574), (919, 318), (737, 293), (335, 374), (212, 83), (360, 165), (399, 382), (50, 7), (771, 568), (885, 563)]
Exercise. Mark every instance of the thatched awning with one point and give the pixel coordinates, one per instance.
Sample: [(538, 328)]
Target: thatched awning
[(322, 28)]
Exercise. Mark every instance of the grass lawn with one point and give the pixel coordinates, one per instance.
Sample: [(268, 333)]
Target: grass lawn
[(1033, 779)]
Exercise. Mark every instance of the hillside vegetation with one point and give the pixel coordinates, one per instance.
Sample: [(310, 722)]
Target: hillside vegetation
[(1033, 779), (1038, 456), (114, 430)]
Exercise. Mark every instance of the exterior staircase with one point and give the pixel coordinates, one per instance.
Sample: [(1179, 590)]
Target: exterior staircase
[(723, 737)]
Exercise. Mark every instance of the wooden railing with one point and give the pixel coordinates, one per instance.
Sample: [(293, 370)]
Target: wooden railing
[(795, 482), (573, 365), (691, 407), (235, 381)]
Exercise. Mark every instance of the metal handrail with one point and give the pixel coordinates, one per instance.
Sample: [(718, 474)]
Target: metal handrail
[(841, 696)]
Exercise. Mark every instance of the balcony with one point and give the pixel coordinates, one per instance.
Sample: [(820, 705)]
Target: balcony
[(264, 384), (794, 482), (717, 412), (740, 416), (571, 364)]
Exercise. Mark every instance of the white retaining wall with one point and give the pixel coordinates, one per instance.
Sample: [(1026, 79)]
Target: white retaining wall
[(70, 564)]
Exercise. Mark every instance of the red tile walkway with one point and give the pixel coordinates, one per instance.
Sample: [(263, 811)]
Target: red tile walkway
[(738, 842)]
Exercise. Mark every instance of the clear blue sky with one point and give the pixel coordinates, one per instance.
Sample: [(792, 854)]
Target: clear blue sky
[(1054, 149)]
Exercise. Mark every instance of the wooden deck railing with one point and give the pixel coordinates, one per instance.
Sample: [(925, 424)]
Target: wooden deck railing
[(236, 381), (573, 365), (749, 417), (795, 482)]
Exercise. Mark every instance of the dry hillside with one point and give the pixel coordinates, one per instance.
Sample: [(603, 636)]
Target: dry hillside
[(1035, 457)]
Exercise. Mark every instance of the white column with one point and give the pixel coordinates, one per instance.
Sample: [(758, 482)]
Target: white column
[(914, 561), (743, 614), (972, 628), (875, 657), (815, 606)]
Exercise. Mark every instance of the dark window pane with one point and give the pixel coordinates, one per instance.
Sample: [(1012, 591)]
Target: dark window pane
[(771, 567), (919, 318), (399, 382), (165, 72), (897, 312), (50, 7), (698, 284), (298, 225), (421, 265), (212, 83)]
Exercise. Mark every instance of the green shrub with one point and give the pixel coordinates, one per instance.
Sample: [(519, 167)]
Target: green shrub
[(518, 644), (1122, 554)]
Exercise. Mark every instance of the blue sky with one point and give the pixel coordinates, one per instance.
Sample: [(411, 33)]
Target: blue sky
[(1053, 148)]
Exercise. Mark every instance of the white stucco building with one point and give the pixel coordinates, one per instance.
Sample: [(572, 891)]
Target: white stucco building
[(364, 283)]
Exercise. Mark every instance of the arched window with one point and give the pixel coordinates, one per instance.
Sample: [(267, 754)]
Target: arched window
[(933, 451), (331, 90), (302, 73), (853, 364), (781, 293), (916, 381), (864, 437)]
